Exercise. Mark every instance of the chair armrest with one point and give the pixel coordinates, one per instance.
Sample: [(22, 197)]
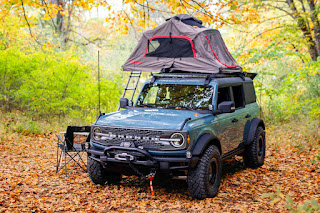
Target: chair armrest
[(59, 138)]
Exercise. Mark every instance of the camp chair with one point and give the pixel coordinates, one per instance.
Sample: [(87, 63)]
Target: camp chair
[(70, 151)]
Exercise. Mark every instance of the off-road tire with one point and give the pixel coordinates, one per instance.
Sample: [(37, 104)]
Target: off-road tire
[(99, 175), (201, 185), (255, 153)]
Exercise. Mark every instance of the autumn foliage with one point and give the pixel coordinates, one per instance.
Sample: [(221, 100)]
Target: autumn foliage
[(48, 80)]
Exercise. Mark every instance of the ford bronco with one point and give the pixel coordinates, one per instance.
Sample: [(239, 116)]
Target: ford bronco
[(180, 124)]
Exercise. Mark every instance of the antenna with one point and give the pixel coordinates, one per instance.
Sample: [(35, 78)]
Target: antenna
[(99, 79), (261, 113)]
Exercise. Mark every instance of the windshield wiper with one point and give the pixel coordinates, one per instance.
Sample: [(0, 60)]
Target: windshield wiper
[(147, 105), (180, 107)]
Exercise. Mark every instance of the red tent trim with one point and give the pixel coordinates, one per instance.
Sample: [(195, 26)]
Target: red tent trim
[(217, 57)]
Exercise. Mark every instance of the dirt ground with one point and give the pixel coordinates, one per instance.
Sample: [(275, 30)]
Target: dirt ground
[(28, 181)]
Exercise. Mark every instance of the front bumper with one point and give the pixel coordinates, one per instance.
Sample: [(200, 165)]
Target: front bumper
[(126, 155)]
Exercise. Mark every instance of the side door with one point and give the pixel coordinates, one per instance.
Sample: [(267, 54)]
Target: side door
[(252, 108), (226, 125), (241, 113)]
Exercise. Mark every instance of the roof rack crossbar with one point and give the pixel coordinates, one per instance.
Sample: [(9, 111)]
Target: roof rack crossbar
[(207, 76)]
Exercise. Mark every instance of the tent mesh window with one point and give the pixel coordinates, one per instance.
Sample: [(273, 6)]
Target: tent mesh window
[(170, 47)]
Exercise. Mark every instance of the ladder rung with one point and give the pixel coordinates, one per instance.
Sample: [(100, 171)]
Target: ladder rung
[(133, 74)]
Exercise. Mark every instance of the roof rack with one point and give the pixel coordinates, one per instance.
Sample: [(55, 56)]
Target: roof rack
[(207, 76)]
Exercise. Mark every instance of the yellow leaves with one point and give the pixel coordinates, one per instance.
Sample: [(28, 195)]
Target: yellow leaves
[(46, 17)]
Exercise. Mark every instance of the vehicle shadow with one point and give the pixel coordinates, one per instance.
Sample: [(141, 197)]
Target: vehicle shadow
[(174, 186)]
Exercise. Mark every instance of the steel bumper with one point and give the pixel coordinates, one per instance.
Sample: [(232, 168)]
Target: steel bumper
[(126, 155)]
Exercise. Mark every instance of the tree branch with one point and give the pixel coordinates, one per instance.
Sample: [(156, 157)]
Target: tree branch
[(25, 17), (89, 41), (135, 32), (281, 9), (151, 8), (268, 30), (54, 25)]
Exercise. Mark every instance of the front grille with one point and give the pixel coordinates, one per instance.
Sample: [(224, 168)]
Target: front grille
[(148, 139)]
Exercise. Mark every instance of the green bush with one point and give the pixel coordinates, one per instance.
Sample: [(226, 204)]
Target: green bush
[(48, 84)]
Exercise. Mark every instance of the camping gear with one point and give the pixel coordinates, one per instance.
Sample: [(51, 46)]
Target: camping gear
[(181, 43), (72, 148)]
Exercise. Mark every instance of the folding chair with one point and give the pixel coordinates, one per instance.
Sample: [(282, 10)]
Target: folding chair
[(71, 151)]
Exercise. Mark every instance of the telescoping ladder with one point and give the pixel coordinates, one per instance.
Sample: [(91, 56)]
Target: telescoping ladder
[(131, 85)]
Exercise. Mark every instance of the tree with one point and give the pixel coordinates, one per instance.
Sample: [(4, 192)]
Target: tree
[(305, 18)]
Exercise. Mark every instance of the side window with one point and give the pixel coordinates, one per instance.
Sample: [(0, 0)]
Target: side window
[(249, 93), (223, 95), (238, 96)]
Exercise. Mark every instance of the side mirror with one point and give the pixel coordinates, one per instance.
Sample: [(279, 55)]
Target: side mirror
[(124, 102), (226, 107)]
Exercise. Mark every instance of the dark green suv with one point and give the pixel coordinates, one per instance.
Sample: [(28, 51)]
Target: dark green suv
[(180, 124)]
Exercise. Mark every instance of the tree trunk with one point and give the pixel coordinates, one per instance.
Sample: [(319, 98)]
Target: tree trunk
[(316, 24), (304, 28), (60, 18)]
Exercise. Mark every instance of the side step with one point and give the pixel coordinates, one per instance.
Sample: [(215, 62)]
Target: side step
[(232, 153)]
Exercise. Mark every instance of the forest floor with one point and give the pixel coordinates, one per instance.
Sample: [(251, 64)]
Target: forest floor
[(28, 181)]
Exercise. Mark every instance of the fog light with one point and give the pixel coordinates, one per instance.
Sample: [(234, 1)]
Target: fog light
[(87, 145), (188, 154)]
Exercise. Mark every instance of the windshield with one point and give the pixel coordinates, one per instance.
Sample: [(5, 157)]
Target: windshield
[(176, 96)]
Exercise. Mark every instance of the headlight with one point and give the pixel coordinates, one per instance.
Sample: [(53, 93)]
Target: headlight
[(177, 140), (97, 133)]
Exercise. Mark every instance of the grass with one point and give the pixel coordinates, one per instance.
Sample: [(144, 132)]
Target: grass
[(16, 122)]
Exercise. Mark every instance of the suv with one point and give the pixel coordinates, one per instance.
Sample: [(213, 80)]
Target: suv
[(180, 124)]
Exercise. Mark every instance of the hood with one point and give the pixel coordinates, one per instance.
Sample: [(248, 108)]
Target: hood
[(166, 119)]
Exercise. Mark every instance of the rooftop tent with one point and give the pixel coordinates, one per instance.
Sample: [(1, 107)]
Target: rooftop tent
[(181, 43)]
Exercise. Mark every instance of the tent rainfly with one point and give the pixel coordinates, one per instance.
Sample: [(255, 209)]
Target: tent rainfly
[(181, 43)]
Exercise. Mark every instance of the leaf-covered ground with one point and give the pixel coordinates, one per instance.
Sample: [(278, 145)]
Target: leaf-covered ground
[(28, 181)]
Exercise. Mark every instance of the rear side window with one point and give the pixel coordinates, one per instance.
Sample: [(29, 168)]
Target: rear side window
[(223, 95), (238, 96), (250, 95)]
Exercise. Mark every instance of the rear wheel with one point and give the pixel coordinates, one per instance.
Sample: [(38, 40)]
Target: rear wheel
[(99, 175), (256, 151), (204, 180)]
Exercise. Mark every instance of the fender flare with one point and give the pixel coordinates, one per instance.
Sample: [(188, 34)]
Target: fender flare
[(203, 142), (252, 130)]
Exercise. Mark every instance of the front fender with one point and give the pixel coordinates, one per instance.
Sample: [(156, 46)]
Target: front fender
[(203, 142)]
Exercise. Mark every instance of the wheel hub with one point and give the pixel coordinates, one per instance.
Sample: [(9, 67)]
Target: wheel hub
[(212, 173)]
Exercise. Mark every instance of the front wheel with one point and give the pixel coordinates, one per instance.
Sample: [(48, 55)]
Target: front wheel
[(204, 180), (99, 175)]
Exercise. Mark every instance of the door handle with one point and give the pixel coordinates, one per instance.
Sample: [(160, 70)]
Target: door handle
[(247, 116), (234, 120)]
